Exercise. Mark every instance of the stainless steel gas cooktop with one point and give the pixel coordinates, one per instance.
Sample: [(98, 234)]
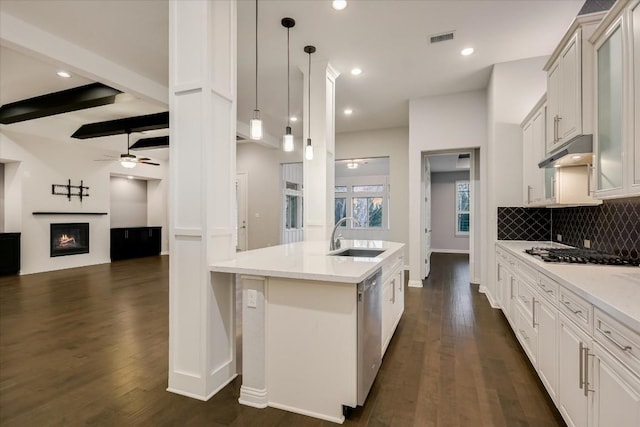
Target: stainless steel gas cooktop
[(579, 256)]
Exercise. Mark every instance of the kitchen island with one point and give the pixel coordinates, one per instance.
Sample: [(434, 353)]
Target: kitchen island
[(301, 311)]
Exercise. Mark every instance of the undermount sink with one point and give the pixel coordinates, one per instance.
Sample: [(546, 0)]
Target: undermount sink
[(362, 253)]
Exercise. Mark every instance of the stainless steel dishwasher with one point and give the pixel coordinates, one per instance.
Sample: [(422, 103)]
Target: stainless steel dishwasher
[(369, 333)]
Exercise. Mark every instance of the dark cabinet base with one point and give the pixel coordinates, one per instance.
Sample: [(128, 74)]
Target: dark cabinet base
[(9, 253), (135, 242)]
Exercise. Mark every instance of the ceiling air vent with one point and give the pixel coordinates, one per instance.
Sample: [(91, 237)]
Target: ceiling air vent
[(442, 37)]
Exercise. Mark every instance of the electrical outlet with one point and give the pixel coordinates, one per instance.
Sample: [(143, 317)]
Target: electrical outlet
[(252, 298), (559, 238), (587, 244)]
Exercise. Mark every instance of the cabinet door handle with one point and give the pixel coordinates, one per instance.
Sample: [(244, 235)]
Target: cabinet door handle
[(533, 313), (529, 188), (581, 363), (607, 334), (586, 372), (558, 127), (393, 293), (555, 128)]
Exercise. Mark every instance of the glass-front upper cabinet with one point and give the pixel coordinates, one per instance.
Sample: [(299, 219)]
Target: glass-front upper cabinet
[(617, 102), (609, 125)]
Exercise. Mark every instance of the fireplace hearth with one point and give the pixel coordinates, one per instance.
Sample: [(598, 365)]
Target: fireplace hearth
[(69, 239)]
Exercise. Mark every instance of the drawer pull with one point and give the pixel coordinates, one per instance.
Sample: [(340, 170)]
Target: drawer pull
[(568, 304), (620, 346), (544, 288), (524, 335)]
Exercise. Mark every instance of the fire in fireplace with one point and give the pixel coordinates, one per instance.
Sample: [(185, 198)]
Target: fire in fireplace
[(69, 239)]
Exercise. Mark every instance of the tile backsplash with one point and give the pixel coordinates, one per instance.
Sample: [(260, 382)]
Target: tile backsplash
[(613, 227), (515, 223)]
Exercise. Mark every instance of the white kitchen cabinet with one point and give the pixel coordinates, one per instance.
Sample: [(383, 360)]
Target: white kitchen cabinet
[(573, 402), (615, 400), (392, 299), (617, 59), (570, 84), (545, 317), (533, 151)]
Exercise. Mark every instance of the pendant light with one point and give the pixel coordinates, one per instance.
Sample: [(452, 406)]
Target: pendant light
[(308, 149), (287, 139), (255, 124)]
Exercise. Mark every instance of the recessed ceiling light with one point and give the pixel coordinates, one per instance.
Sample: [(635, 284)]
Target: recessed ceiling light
[(576, 157), (339, 4), (63, 74), (293, 119), (356, 71), (466, 51), (352, 165), (129, 177), (348, 111)]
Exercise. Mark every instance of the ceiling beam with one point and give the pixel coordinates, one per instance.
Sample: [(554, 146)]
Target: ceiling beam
[(148, 143), (126, 125), (78, 98)]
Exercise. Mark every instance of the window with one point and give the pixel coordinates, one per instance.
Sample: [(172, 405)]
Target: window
[(291, 212), (368, 210), (366, 202), (340, 210), (463, 201)]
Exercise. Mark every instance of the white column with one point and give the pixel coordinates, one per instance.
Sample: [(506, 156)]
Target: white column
[(319, 173), (202, 45)]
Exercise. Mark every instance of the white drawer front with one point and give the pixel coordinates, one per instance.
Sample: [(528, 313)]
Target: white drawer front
[(619, 339), (576, 309), (548, 288)]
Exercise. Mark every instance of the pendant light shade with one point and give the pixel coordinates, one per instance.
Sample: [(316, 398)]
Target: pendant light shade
[(308, 149), (287, 140), (255, 124)]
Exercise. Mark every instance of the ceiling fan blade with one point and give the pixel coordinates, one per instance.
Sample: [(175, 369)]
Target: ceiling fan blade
[(143, 159), (150, 163), (105, 160)]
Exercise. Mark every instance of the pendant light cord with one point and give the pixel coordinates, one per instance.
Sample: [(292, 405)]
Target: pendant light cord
[(288, 82), (309, 100), (256, 54)]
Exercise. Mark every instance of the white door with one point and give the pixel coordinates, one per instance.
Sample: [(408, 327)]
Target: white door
[(427, 217), (242, 225)]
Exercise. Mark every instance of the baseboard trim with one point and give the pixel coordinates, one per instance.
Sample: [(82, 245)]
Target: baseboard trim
[(484, 290), (451, 251), (254, 397), (338, 420), (415, 283)]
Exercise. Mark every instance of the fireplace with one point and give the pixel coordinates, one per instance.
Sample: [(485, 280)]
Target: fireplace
[(69, 239)]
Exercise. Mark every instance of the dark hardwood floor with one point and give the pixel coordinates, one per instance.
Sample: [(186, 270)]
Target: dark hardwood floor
[(88, 346)]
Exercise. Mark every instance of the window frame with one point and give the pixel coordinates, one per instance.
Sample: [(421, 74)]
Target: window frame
[(458, 232)]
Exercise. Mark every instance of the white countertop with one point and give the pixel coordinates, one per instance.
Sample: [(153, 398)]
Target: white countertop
[(614, 289), (310, 261)]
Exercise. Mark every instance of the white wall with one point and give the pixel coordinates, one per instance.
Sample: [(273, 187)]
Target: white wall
[(513, 90), (128, 199), (443, 213), (36, 164), (262, 165), (439, 123), (392, 143)]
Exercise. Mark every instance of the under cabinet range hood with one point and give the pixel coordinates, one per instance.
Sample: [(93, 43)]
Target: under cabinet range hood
[(578, 151)]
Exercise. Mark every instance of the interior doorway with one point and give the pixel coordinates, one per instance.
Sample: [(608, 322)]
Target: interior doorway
[(450, 190)]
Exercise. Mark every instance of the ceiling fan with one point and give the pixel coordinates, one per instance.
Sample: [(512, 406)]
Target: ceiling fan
[(129, 160)]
